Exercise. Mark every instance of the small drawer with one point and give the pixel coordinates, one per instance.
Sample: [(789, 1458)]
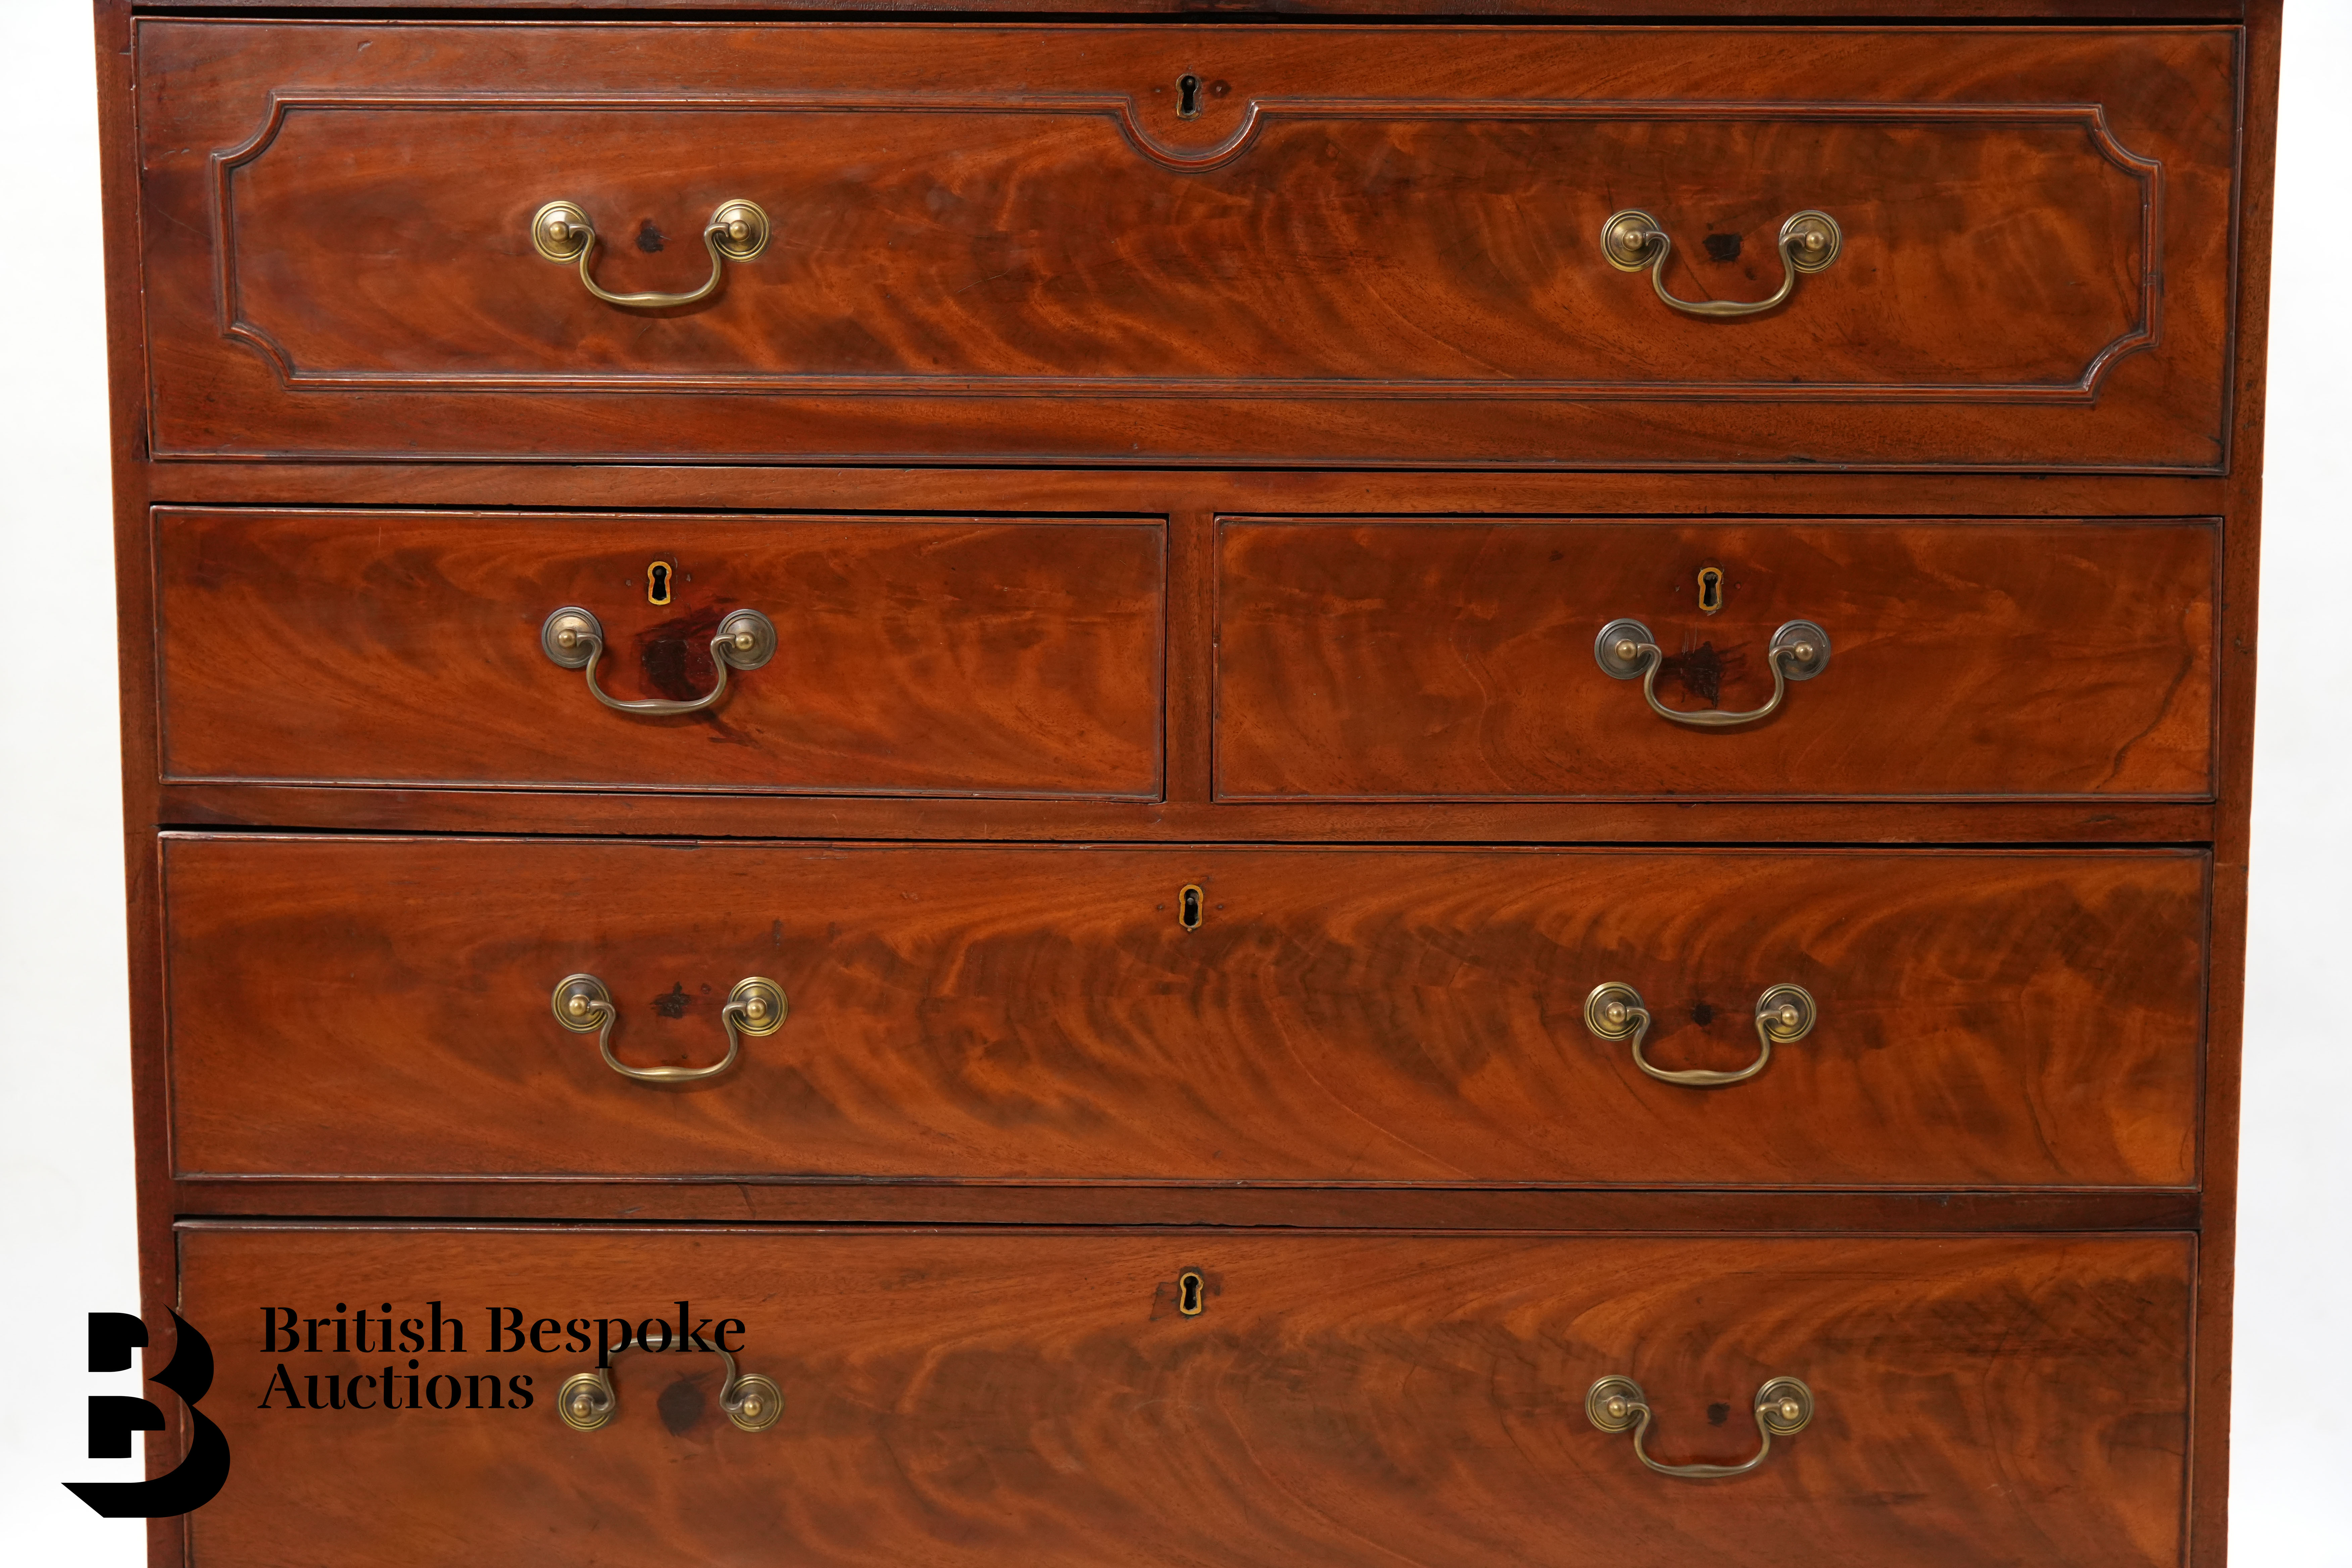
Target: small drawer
[(1487, 245), (484, 1008), (914, 656), (1167, 1400), (1510, 659)]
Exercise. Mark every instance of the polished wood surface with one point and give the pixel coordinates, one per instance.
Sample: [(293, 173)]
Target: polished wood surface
[(1012, 243), (373, 808), (1035, 1399), (1403, 659), (914, 655), (1821, 1211), (2208, 1534), (2174, 440), (1981, 496), (1915, 10), (382, 1007)]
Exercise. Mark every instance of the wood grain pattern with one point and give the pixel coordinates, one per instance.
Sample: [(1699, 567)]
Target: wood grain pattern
[(2035, 1399), (1985, 495), (2224, 1055), (381, 1007), (1909, 10), (893, 292), (1404, 658), (1985, 820), (914, 655), (1031, 1399), (116, 79), (1006, 243), (1821, 1211)]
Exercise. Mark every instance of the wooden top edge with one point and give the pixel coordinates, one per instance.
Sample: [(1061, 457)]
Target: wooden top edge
[(1637, 12)]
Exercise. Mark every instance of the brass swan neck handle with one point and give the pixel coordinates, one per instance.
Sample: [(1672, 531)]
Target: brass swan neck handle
[(574, 640), (588, 1400), (1633, 242), (1783, 1406), (738, 231), (1784, 1015), (583, 1004), (1798, 651)]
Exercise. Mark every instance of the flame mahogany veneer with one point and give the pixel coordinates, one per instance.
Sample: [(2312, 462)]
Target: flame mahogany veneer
[(1024, 1397), (1185, 453), (1342, 1015)]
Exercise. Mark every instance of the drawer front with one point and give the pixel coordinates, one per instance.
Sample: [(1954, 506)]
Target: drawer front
[(1387, 658), (914, 655), (378, 1006), (1359, 245), (1042, 1399)]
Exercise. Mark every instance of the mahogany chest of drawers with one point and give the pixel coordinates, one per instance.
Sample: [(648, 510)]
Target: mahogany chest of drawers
[(1439, 784)]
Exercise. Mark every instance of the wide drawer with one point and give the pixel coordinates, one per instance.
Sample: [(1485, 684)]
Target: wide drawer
[(403, 1007), (1395, 657), (1186, 244), (1045, 1399), (909, 656)]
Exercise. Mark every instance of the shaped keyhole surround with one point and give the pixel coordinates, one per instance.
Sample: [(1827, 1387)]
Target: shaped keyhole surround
[(1191, 1297), (1191, 907), (1188, 96), (1710, 589), (658, 579)]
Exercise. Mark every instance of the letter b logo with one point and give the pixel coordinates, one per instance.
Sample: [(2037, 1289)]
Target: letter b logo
[(114, 1417)]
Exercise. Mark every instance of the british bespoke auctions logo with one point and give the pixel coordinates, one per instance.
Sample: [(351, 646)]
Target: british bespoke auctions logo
[(289, 1339), (114, 1417), (286, 1332)]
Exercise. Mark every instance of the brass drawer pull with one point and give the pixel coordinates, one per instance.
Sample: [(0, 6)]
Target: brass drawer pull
[(1631, 240), (1783, 1406), (582, 1004), (574, 640), (1798, 651), (1784, 1013), (738, 231), (587, 1400)]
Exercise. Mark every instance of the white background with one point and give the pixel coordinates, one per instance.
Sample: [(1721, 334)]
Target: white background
[(65, 1235)]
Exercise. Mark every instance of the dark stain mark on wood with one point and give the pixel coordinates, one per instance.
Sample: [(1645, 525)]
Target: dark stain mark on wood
[(651, 239), (1723, 247), (1702, 1013), (681, 1405), (676, 653), (1702, 670), (673, 1003), (1717, 1414)]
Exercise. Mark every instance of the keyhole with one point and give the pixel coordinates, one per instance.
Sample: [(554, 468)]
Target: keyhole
[(657, 576), (1188, 909), (1710, 589), (1189, 1301), (1188, 96)]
